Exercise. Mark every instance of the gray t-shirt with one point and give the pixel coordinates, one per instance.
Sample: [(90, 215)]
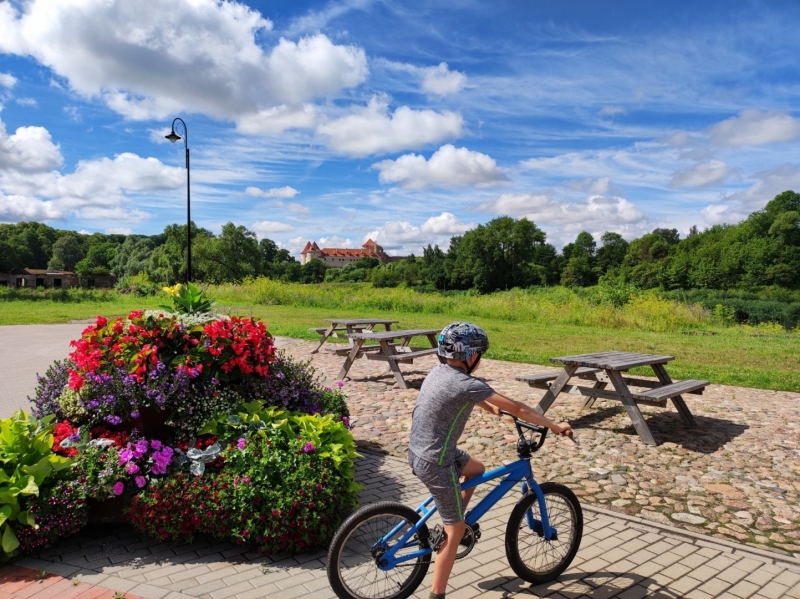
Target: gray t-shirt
[(443, 407)]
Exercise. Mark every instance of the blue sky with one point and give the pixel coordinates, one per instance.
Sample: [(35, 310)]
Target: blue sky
[(408, 122)]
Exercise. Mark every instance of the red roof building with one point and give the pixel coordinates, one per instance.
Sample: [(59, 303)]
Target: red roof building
[(341, 257)]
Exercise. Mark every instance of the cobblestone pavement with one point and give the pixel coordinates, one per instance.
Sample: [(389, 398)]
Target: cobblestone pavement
[(620, 556), (735, 476)]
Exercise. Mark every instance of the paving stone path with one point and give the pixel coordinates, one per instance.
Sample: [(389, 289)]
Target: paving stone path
[(620, 556), (735, 476)]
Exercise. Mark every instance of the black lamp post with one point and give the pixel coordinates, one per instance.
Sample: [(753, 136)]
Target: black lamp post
[(173, 137)]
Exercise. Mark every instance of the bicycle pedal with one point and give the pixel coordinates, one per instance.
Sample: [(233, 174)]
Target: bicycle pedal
[(436, 538)]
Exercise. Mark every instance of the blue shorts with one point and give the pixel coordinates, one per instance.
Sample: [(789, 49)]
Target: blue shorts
[(443, 484)]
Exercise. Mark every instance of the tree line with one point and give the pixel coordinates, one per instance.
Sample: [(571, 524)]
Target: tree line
[(763, 250)]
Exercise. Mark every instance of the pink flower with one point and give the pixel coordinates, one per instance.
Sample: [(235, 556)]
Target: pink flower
[(241, 443), (125, 456), (341, 384), (156, 444), (131, 468), (140, 481), (118, 488), (309, 447)]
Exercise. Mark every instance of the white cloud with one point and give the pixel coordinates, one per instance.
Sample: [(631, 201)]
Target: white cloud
[(718, 214), (372, 130), (7, 80), (181, 56), (754, 128), (27, 102), (447, 167), (445, 224), (270, 226), (769, 183), (701, 174), (119, 231), (404, 238), (272, 121), (441, 81), (292, 207), (17, 208), (679, 139), (28, 150), (601, 186), (334, 241), (275, 192), (611, 110), (595, 214), (74, 113)]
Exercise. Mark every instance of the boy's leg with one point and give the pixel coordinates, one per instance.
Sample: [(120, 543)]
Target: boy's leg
[(473, 469), (446, 557)]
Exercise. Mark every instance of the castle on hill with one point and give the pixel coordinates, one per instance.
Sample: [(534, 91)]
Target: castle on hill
[(341, 257)]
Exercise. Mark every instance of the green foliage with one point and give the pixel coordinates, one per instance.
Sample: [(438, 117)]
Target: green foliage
[(230, 257), (327, 434), (67, 252), (133, 257), (26, 462), (188, 299), (98, 259)]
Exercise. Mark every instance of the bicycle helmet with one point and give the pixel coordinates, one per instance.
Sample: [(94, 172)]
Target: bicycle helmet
[(462, 340)]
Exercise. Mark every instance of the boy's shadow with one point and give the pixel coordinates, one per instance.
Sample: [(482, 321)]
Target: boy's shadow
[(580, 584)]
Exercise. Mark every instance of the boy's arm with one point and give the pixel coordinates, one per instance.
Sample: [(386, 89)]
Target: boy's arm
[(498, 402)]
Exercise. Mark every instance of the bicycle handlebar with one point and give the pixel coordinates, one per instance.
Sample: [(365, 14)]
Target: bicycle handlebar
[(521, 424)]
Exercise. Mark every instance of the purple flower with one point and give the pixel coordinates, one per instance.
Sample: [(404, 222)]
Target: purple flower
[(140, 448), (125, 456), (346, 421), (162, 459), (140, 481), (112, 419), (309, 447), (135, 414), (341, 384), (156, 444), (241, 443), (118, 488), (131, 468)]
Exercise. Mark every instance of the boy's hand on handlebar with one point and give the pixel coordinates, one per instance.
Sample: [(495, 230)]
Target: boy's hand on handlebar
[(562, 429)]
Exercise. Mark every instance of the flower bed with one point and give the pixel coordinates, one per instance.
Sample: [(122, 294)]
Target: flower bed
[(196, 425)]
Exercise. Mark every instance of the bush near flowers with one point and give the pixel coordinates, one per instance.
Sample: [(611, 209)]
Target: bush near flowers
[(250, 446)]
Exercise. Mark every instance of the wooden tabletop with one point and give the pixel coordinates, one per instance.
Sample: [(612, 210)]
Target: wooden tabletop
[(352, 321), (388, 335), (613, 360)]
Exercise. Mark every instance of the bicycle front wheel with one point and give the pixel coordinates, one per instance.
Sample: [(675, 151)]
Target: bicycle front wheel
[(353, 571), (533, 558)]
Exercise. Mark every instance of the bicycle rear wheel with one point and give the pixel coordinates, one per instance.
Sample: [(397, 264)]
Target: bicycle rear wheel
[(352, 569), (533, 558)]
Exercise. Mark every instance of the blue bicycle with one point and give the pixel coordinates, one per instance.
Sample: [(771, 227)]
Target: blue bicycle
[(383, 550)]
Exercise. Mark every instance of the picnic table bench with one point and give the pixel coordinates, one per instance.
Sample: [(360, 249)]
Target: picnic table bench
[(339, 327), (389, 349), (607, 367)]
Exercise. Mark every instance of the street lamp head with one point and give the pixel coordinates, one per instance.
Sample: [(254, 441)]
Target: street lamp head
[(173, 137)]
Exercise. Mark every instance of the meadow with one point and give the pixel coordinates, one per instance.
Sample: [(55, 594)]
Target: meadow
[(527, 326)]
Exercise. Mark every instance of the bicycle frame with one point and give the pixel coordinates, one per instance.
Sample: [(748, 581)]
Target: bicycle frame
[(519, 471)]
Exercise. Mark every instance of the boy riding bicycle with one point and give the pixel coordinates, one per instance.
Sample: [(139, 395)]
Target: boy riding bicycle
[(443, 406)]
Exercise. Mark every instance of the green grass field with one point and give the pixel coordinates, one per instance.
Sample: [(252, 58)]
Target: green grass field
[(527, 328)]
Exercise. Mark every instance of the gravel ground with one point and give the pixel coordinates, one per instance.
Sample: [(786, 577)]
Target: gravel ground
[(736, 476)]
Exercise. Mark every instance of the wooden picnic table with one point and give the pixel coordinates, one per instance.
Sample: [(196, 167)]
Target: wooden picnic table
[(607, 367), (393, 347), (338, 327)]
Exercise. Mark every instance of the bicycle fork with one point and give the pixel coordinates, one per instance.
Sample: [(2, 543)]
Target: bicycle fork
[(540, 527)]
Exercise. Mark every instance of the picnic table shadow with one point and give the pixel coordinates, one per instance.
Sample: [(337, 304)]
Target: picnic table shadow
[(710, 434), (602, 584)]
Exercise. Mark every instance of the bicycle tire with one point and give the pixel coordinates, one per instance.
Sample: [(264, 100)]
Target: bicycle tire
[(533, 558), (350, 550)]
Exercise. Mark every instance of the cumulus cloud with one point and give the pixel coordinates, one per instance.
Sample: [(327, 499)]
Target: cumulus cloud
[(701, 174), (601, 186), (31, 187), (7, 80), (596, 213), (28, 150), (272, 121), (292, 207), (404, 237), (181, 56), (718, 214), (448, 167), (334, 241), (679, 139), (441, 81), (275, 192), (270, 226), (372, 130), (769, 183), (754, 128), (119, 231)]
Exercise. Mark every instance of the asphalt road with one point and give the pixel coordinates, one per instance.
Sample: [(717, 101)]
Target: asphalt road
[(26, 350)]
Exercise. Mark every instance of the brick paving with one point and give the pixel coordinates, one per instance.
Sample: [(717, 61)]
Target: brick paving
[(735, 476), (620, 556)]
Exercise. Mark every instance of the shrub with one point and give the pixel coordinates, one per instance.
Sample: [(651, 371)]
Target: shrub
[(286, 485), (27, 463), (57, 511)]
